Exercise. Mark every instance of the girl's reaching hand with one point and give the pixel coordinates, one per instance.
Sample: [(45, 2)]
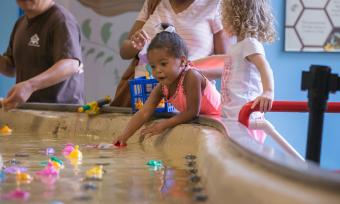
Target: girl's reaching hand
[(265, 101), (153, 129), (120, 141)]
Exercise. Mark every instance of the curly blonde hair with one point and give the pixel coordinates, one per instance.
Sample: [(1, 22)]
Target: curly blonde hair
[(249, 18)]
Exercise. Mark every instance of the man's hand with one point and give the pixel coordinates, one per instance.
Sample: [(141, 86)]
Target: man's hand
[(18, 95)]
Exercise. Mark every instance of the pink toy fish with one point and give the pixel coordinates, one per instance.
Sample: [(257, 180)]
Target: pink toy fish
[(49, 170), (68, 149), (16, 194)]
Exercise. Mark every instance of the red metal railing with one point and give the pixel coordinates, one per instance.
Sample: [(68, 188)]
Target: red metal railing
[(284, 106)]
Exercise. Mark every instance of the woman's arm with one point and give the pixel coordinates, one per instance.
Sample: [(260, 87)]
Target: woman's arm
[(211, 66), (142, 115), (266, 99), (128, 50), (193, 90), (220, 42)]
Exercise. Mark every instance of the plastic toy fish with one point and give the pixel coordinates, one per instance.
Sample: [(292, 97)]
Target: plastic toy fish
[(5, 130), (76, 154), (95, 172), (16, 194), (50, 151), (2, 176), (161, 103), (49, 170), (23, 177), (155, 163), (104, 146), (57, 160), (139, 104), (119, 144), (14, 169), (67, 149)]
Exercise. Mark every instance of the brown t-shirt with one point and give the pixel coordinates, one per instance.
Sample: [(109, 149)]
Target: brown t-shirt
[(38, 43)]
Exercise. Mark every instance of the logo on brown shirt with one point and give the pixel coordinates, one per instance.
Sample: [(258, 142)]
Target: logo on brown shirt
[(34, 41)]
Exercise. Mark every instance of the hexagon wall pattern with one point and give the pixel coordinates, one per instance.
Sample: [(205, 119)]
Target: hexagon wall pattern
[(312, 26)]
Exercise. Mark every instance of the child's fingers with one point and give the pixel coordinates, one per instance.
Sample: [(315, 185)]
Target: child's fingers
[(255, 103), (265, 105), (146, 131), (262, 105), (270, 105)]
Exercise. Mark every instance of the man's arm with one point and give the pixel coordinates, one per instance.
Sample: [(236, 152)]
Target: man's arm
[(60, 71), (6, 67)]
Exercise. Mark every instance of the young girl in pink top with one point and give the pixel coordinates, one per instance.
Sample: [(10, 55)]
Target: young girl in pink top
[(182, 85)]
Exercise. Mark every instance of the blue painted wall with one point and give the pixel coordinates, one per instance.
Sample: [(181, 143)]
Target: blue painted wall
[(287, 67), (8, 14)]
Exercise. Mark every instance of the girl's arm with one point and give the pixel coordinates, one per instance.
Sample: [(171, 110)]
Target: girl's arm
[(211, 66), (266, 99), (193, 89), (142, 115)]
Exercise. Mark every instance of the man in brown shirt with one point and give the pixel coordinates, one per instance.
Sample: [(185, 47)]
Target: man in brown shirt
[(44, 54)]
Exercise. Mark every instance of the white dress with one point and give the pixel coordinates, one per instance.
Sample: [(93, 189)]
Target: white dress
[(196, 25), (241, 80)]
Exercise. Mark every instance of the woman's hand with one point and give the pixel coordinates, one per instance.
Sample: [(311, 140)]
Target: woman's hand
[(265, 101), (139, 39), (153, 129)]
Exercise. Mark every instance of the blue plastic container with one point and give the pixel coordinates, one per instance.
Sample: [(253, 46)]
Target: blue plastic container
[(140, 89)]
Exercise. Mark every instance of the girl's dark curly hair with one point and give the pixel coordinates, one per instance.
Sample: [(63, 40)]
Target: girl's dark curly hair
[(171, 41)]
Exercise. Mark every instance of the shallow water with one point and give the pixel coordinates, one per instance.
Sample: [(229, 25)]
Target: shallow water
[(127, 178)]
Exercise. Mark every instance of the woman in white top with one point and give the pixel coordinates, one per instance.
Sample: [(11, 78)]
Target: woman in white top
[(196, 21)]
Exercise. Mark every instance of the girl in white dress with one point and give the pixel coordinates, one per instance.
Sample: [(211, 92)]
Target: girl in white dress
[(246, 74)]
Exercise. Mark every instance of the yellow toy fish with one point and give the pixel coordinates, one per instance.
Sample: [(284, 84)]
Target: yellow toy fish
[(5, 130), (139, 104), (76, 153), (95, 172), (23, 177)]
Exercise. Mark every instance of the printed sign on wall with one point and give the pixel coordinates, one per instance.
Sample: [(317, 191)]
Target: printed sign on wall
[(312, 26)]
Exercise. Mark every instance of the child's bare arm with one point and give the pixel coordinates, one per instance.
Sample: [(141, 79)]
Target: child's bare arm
[(192, 86), (142, 115), (266, 99)]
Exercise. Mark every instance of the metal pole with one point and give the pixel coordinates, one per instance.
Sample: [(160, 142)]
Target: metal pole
[(316, 81)]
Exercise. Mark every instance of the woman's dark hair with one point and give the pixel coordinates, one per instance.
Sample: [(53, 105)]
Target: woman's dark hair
[(171, 41)]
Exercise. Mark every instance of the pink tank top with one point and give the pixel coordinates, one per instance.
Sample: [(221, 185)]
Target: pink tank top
[(210, 101)]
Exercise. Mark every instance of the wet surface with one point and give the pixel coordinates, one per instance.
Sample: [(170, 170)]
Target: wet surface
[(126, 179)]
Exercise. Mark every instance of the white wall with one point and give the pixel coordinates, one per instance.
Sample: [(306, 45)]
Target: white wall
[(102, 62)]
